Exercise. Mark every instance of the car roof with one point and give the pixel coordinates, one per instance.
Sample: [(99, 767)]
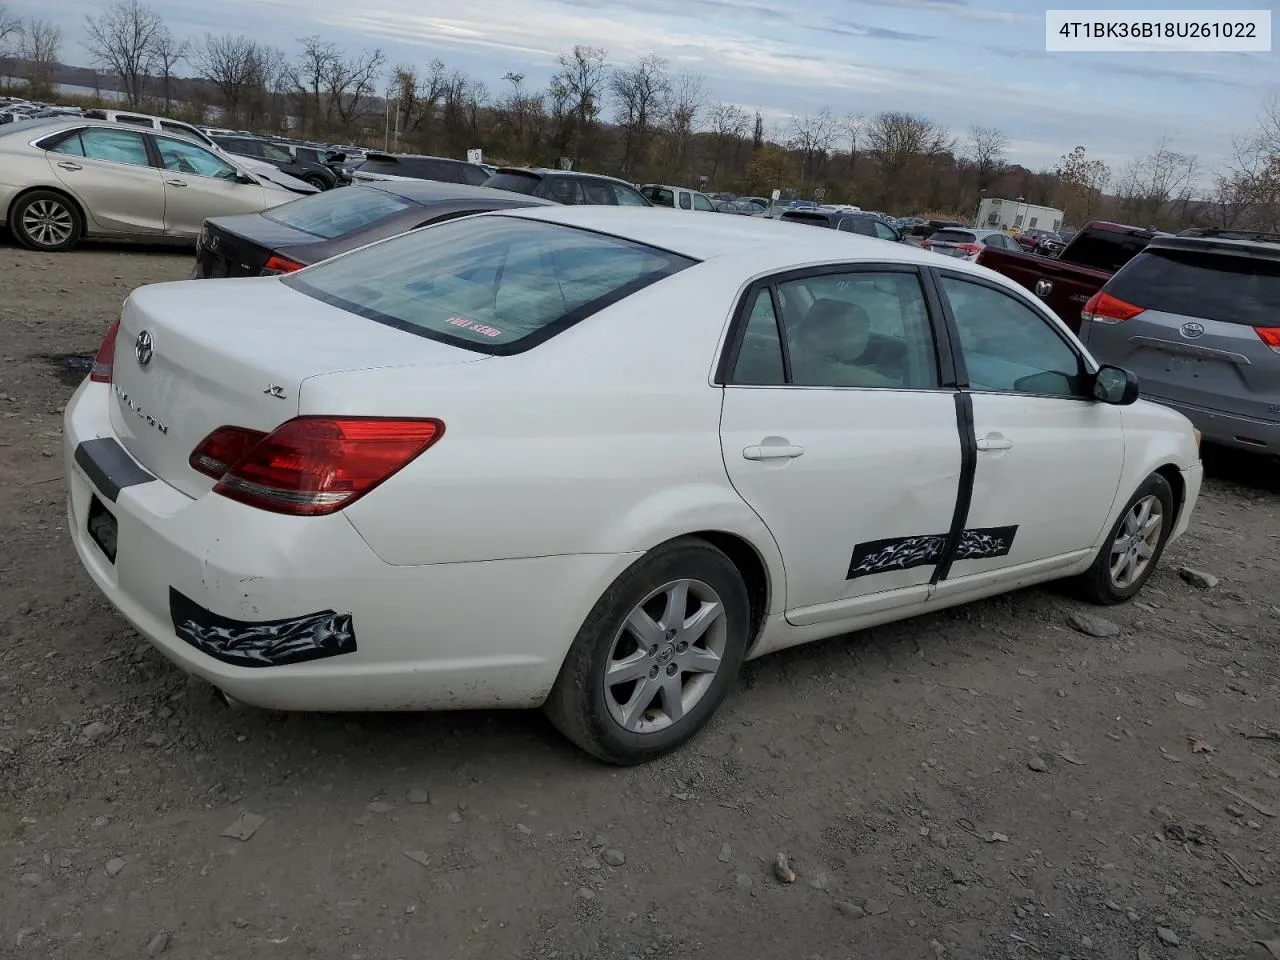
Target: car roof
[(548, 172), (1259, 249), (706, 238), (436, 191), (377, 155)]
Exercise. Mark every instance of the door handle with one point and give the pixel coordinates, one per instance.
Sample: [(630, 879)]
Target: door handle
[(176, 183), (994, 441), (772, 451), (68, 165)]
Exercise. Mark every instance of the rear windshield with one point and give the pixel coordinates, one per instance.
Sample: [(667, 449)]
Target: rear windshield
[(1105, 249), (516, 182), (1213, 286), (817, 219), (493, 284), (953, 236), (334, 213)]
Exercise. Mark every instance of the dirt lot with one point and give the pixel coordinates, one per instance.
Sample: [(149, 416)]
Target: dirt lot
[(982, 783)]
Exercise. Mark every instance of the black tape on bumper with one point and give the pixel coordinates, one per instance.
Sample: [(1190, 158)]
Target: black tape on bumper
[(268, 643)]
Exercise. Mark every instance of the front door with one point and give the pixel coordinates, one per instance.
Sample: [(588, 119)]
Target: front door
[(838, 433), (1048, 456), (199, 184), (111, 174)]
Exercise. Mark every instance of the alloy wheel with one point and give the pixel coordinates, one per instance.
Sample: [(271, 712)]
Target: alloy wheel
[(665, 657), (48, 222), (1136, 541)]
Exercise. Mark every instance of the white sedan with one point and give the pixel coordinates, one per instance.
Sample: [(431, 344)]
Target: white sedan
[(591, 458)]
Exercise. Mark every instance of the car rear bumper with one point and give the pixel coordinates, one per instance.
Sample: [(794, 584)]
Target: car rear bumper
[(298, 613), (1229, 429)]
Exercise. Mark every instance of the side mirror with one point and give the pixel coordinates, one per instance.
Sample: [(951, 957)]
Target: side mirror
[(1115, 385), (243, 177)]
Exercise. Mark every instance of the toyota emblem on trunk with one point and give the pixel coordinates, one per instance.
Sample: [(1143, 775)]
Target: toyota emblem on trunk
[(1192, 330), (143, 349)]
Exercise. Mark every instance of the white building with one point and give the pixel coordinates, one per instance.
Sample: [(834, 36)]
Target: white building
[(1000, 214)]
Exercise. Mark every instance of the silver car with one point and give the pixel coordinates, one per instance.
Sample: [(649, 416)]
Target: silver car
[(63, 179), (1198, 320), (966, 243)]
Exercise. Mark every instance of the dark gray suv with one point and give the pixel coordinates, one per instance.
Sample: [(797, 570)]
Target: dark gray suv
[(1197, 318)]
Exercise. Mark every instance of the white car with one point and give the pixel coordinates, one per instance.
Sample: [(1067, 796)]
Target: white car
[(592, 458)]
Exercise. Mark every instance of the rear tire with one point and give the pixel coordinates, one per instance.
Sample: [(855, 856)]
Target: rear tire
[(319, 182), (1133, 548), (656, 656), (46, 220)]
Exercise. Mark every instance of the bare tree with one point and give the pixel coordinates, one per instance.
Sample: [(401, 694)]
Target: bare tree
[(39, 44), (231, 64), (10, 28), (901, 145), (757, 132), (728, 124), (985, 149), (812, 136), (640, 93), (576, 91), (852, 125), (123, 40), (522, 115), (685, 100), (1156, 188), (351, 82), (417, 98), (1082, 180), (169, 52)]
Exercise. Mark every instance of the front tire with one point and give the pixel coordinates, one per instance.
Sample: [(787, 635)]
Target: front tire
[(656, 656), (46, 220), (320, 183), (1131, 551)]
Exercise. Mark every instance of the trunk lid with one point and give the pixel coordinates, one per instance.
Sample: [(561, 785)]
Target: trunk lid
[(235, 352)]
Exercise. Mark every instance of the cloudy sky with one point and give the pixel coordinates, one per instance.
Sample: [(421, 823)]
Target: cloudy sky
[(960, 62)]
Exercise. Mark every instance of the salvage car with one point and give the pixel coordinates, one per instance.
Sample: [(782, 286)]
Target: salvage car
[(65, 179), (591, 459), (295, 235)]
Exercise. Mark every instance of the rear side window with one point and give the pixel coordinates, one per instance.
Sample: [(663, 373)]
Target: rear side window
[(627, 197), (814, 219), (492, 284), (659, 195), (515, 182), (1106, 249), (335, 213), (472, 175), (1208, 285), (387, 166), (685, 201), (953, 236)]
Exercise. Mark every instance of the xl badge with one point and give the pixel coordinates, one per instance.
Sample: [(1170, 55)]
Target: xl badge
[(1192, 330), (143, 349)]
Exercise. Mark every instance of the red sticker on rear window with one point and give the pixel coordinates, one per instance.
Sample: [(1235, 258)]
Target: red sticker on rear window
[(481, 328)]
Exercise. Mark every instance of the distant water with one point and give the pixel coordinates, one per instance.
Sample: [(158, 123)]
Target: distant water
[(14, 88)]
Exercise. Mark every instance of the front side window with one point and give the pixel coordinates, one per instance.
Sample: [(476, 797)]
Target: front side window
[(493, 284), (598, 192), (114, 146), (272, 153), (702, 203), (183, 157), (335, 213), (1008, 347), (857, 329), (885, 232)]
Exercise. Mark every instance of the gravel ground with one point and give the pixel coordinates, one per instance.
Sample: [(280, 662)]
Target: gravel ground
[(986, 782)]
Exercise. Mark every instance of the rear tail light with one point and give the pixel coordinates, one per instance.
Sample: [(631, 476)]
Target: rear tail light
[(105, 359), (311, 466), (222, 449), (969, 248), (926, 245), (277, 265), (1104, 308), (1270, 336)]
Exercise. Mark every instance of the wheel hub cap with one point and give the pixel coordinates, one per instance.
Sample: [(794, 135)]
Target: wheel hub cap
[(665, 657), (1136, 541)]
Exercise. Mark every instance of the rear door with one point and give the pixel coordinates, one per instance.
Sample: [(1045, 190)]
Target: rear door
[(1192, 334), (840, 431), (111, 173)]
